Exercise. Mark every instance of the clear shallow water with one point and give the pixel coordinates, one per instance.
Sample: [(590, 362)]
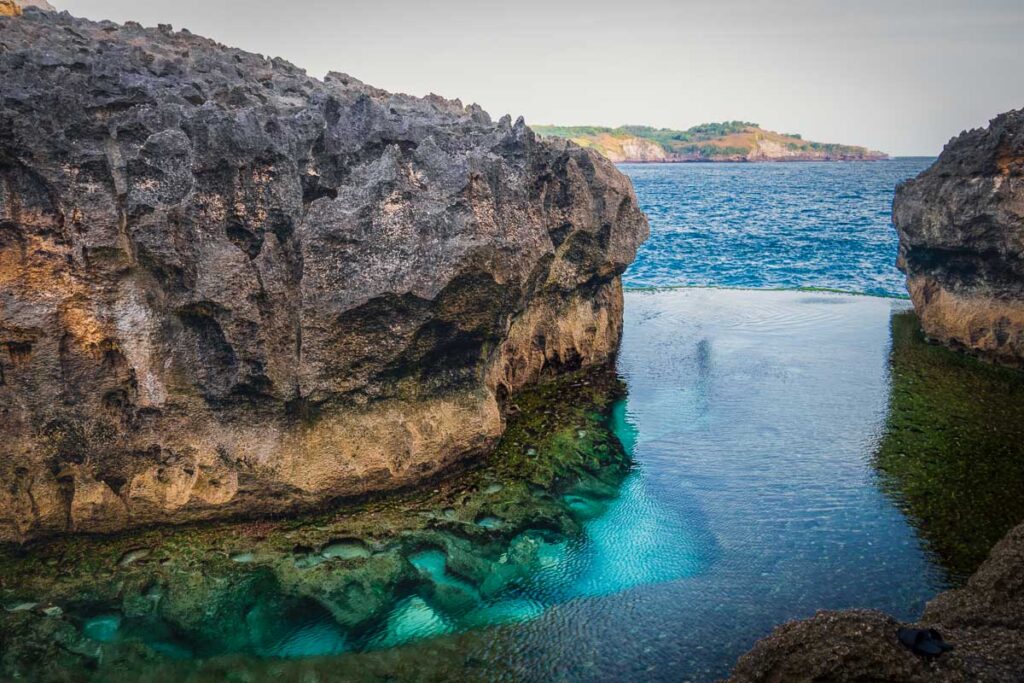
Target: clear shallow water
[(771, 225), (753, 417)]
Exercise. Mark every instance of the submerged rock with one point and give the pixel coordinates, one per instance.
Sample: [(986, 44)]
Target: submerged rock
[(232, 289), (954, 426), (133, 556), (375, 574), (961, 230)]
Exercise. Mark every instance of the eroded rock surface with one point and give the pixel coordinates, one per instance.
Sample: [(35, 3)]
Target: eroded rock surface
[(984, 621), (229, 288), (961, 229)]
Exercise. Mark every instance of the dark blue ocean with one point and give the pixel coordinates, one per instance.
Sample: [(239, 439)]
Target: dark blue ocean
[(771, 225)]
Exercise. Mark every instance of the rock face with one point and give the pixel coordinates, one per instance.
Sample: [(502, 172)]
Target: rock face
[(961, 229), (227, 288), (984, 621)]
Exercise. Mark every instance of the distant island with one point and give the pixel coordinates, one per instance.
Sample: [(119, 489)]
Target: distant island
[(726, 141)]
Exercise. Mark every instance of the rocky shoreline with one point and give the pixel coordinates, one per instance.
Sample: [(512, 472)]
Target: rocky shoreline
[(983, 621), (230, 289), (732, 141), (944, 409), (170, 602)]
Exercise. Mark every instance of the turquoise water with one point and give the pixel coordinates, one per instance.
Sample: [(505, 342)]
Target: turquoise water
[(752, 418), (771, 225)]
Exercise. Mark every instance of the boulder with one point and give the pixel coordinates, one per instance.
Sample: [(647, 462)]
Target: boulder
[(961, 231), (228, 288)]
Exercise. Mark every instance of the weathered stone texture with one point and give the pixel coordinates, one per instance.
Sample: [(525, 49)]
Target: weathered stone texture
[(229, 288), (961, 229)]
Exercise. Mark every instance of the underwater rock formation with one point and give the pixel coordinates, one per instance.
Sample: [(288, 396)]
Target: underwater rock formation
[(227, 288), (961, 230), (951, 459), (160, 604), (983, 621)]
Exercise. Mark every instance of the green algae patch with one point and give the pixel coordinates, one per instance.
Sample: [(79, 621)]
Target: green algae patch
[(363, 576), (953, 452)]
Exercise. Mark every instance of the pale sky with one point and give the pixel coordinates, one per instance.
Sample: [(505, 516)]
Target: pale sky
[(902, 76)]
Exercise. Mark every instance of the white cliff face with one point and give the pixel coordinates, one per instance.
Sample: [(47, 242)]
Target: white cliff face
[(642, 150)]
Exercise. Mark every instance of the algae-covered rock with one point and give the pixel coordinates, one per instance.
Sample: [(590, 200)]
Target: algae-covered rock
[(384, 572), (229, 288), (952, 456), (961, 230)]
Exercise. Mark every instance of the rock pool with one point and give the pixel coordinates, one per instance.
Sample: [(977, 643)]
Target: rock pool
[(651, 525)]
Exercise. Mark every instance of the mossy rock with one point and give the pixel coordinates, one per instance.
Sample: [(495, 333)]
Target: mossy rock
[(953, 451)]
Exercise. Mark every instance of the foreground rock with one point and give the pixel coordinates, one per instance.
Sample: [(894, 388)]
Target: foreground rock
[(984, 621), (961, 229), (228, 288)]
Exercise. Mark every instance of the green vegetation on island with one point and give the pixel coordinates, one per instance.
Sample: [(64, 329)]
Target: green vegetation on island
[(725, 141)]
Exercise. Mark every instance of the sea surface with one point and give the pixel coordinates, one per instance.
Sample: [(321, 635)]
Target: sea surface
[(771, 225)]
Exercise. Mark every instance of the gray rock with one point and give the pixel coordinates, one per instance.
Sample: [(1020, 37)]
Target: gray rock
[(227, 288), (961, 230)]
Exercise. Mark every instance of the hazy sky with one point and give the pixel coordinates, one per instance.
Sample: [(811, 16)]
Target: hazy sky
[(902, 76)]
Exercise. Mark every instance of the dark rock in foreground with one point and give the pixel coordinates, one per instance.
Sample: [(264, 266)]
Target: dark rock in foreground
[(228, 288), (961, 229), (984, 622)]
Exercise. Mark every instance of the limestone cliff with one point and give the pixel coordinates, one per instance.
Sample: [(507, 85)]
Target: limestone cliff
[(227, 288), (961, 229)]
